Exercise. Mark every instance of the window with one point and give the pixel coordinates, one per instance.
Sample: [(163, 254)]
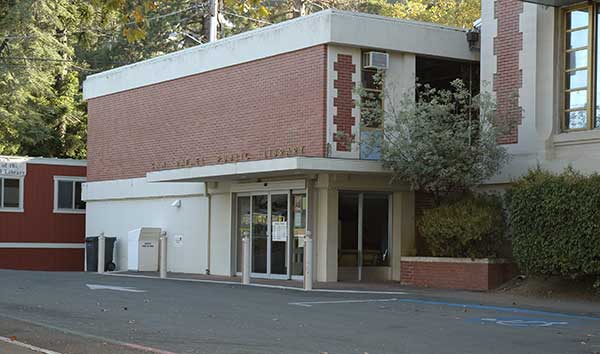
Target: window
[(67, 195), (581, 89), (11, 197), (371, 128)]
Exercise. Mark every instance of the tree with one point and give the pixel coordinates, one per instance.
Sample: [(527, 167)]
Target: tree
[(442, 141), (40, 101)]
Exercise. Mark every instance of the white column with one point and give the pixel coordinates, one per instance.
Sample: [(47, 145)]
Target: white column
[(308, 261), (327, 234), (101, 253), (246, 259), (163, 254)]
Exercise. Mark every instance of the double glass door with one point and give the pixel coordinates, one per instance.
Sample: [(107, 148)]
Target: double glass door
[(268, 220)]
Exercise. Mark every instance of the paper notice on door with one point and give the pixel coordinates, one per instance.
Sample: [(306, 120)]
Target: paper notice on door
[(279, 231)]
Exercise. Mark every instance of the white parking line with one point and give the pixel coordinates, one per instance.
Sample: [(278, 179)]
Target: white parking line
[(28, 346), (311, 303)]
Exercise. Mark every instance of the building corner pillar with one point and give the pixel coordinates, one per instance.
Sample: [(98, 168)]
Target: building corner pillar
[(326, 240), (403, 229)]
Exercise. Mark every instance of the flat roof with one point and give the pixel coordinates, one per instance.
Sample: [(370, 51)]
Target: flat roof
[(324, 27), (267, 168), (43, 160)]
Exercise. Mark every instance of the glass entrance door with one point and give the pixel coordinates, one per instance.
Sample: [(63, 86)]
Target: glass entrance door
[(260, 233), (265, 218), (279, 234), (364, 235)]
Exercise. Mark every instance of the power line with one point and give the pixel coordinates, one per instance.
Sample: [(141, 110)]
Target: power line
[(197, 6), (246, 17), (59, 60)]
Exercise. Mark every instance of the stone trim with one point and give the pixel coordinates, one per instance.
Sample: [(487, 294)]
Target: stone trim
[(508, 79), (343, 102), (455, 260)]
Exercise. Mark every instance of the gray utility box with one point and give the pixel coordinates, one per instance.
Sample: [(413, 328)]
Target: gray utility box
[(142, 249)]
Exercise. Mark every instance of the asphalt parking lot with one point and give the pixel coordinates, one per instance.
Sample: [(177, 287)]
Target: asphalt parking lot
[(89, 313)]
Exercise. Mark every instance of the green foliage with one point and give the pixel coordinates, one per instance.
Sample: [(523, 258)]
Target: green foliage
[(40, 101), (444, 141), (471, 227), (555, 222)]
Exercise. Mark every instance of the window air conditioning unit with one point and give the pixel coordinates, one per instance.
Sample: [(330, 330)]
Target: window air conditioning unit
[(376, 60)]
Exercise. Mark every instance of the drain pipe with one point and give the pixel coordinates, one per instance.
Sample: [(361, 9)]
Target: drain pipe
[(209, 198)]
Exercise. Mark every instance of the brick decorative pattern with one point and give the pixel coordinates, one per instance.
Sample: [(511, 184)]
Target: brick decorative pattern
[(343, 102), (268, 108), (447, 275), (508, 78)]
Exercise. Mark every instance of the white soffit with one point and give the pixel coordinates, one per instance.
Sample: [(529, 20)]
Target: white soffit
[(276, 167), (329, 26)]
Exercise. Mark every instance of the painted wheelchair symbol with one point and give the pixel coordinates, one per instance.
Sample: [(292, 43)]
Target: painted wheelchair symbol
[(521, 322)]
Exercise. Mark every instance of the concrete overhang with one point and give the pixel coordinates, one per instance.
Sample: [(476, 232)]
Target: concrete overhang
[(322, 28), (289, 166)]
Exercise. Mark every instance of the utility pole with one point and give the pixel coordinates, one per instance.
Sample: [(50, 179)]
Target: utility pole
[(299, 9), (214, 15)]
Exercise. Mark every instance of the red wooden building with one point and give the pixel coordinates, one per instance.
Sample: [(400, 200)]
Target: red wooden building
[(42, 217)]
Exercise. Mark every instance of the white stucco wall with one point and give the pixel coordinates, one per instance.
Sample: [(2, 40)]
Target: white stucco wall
[(117, 207), (222, 238)]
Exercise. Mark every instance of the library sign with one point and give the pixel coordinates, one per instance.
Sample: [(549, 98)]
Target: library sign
[(13, 167), (229, 157)]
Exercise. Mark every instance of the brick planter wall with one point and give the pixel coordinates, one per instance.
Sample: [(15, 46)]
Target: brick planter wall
[(455, 273)]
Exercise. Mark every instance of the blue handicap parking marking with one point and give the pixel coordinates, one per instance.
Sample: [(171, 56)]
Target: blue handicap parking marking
[(520, 322)]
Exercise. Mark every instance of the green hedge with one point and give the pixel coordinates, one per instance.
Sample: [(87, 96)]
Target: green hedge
[(472, 227), (555, 223)]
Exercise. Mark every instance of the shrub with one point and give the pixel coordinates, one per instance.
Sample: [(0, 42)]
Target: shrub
[(471, 227), (555, 222)]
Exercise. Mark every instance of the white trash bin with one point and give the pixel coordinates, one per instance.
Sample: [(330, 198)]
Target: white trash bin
[(142, 250)]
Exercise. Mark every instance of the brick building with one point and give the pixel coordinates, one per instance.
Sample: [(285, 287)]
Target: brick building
[(259, 134), (42, 216)]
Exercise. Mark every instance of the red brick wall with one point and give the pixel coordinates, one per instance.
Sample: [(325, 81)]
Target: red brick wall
[(508, 78), (267, 108), (448, 275), (344, 120)]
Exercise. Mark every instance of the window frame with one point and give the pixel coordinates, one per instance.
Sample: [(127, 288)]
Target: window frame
[(591, 68), (72, 179), (21, 207)]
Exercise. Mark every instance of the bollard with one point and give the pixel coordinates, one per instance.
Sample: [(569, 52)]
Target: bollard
[(163, 255), (101, 253), (308, 260), (246, 259)]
